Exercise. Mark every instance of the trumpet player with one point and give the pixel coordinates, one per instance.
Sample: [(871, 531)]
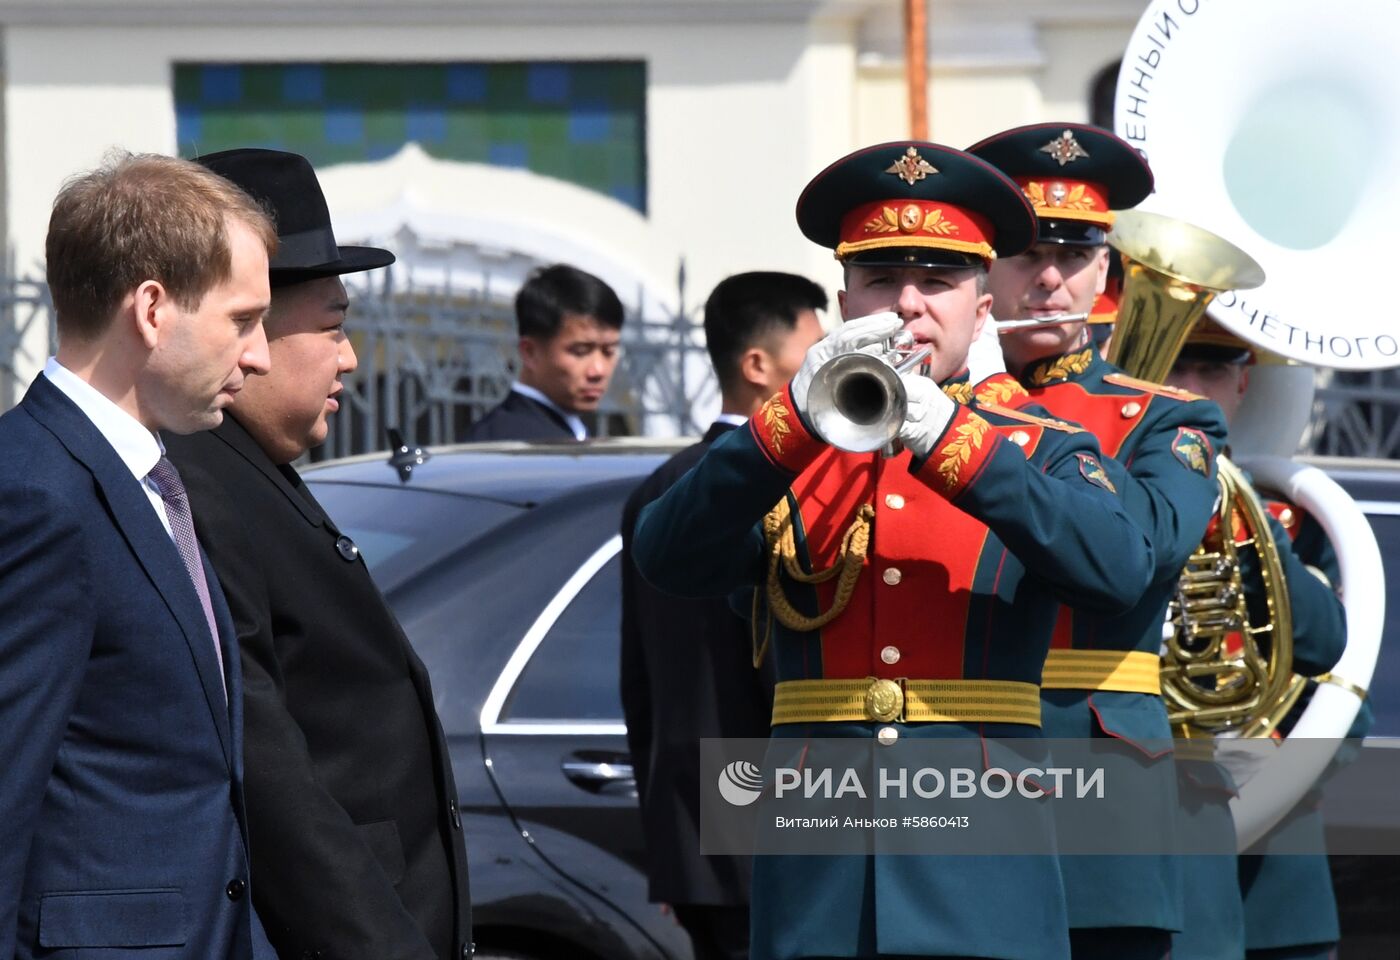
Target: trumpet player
[(948, 559), (1101, 677)]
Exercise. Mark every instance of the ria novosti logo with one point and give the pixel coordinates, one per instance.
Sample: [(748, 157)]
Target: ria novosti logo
[(740, 783)]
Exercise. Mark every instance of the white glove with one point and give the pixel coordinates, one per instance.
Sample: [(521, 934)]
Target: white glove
[(865, 334), (985, 358), (926, 416)]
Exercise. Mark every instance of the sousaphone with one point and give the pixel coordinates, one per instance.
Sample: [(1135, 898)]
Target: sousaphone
[(1284, 142)]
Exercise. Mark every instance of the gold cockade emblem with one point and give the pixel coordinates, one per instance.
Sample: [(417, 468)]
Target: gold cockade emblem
[(910, 219), (1058, 195), (1064, 148), (911, 168)]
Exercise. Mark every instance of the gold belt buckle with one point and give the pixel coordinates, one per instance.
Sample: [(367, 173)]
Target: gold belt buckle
[(884, 700)]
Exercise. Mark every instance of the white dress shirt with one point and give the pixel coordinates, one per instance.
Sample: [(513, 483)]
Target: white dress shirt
[(572, 419), (733, 419), (138, 447)]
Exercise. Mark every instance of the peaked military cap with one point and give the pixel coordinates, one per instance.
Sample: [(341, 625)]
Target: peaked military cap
[(1074, 174), (1210, 342), (911, 203)]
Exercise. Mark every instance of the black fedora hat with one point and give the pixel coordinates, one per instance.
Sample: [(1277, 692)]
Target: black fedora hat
[(286, 184)]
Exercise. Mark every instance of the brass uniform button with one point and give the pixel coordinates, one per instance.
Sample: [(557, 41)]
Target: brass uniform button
[(1020, 438), (1286, 517), (890, 655), (894, 501), (892, 576), (886, 736), (1131, 409)]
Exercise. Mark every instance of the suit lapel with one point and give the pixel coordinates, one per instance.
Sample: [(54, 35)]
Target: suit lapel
[(539, 411), (232, 433), (133, 515)]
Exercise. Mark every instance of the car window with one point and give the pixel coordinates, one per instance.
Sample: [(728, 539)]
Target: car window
[(400, 530), (573, 673)]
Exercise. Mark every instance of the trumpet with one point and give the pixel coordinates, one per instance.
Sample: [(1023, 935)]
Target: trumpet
[(857, 401)]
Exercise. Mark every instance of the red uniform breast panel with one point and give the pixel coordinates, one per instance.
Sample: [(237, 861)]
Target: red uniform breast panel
[(916, 583), (1110, 417)]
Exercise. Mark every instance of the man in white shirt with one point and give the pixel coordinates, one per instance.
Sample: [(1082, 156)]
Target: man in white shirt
[(121, 810), (570, 325)]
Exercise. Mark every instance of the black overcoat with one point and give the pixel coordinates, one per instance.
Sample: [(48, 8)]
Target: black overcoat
[(357, 848)]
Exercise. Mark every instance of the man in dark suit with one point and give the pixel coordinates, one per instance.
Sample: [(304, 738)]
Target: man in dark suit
[(122, 827), (687, 670), (570, 324), (352, 806)]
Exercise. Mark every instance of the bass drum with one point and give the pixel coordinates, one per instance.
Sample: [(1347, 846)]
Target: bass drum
[(1284, 142)]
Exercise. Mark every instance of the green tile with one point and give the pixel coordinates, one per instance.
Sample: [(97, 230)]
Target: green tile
[(186, 83), (262, 85)]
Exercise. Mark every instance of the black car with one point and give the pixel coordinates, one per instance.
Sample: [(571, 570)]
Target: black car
[(502, 565), (502, 562)]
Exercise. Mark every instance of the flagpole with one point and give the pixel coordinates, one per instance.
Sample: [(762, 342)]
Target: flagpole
[(916, 65)]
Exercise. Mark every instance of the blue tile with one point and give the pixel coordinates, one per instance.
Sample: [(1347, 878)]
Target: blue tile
[(589, 123), (466, 83), (548, 82), (425, 123), (345, 124), (221, 84), (628, 193), (508, 155), (303, 83), (189, 129), (379, 151)]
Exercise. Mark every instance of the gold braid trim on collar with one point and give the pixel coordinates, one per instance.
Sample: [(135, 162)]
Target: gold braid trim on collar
[(1060, 368), (961, 392)]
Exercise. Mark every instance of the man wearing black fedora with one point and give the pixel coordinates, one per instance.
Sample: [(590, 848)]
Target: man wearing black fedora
[(357, 847)]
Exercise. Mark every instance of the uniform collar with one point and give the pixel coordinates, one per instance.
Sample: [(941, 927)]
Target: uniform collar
[(957, 387), (1067, 367)]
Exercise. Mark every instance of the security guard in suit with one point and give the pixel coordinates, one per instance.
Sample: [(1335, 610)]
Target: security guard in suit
[(1288, 910), (914, 595), (1101, 678)]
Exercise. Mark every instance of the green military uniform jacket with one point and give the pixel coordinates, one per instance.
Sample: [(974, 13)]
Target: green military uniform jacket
[(970, 551), (1163, 444)]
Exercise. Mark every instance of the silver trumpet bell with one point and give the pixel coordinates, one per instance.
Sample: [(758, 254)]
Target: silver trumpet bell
[(856, 400)]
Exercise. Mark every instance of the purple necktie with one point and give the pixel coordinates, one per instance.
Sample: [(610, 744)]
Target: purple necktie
[(177, 510)]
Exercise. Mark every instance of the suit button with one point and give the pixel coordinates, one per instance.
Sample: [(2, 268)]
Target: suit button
[(890, 655), (235, 889), (894, 501), (456, 817), (892, 576), (886, 736), (467, 950), (347, 549)]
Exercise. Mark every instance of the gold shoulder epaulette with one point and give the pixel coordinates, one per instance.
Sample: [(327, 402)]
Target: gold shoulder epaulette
[(1024, 417), (1147, 386)]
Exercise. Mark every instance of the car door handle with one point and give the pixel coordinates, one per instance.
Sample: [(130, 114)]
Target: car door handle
[(596, 774)]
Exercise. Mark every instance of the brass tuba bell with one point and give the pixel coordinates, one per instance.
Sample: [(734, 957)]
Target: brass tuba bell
[(1171, 272), (1227, 665)]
